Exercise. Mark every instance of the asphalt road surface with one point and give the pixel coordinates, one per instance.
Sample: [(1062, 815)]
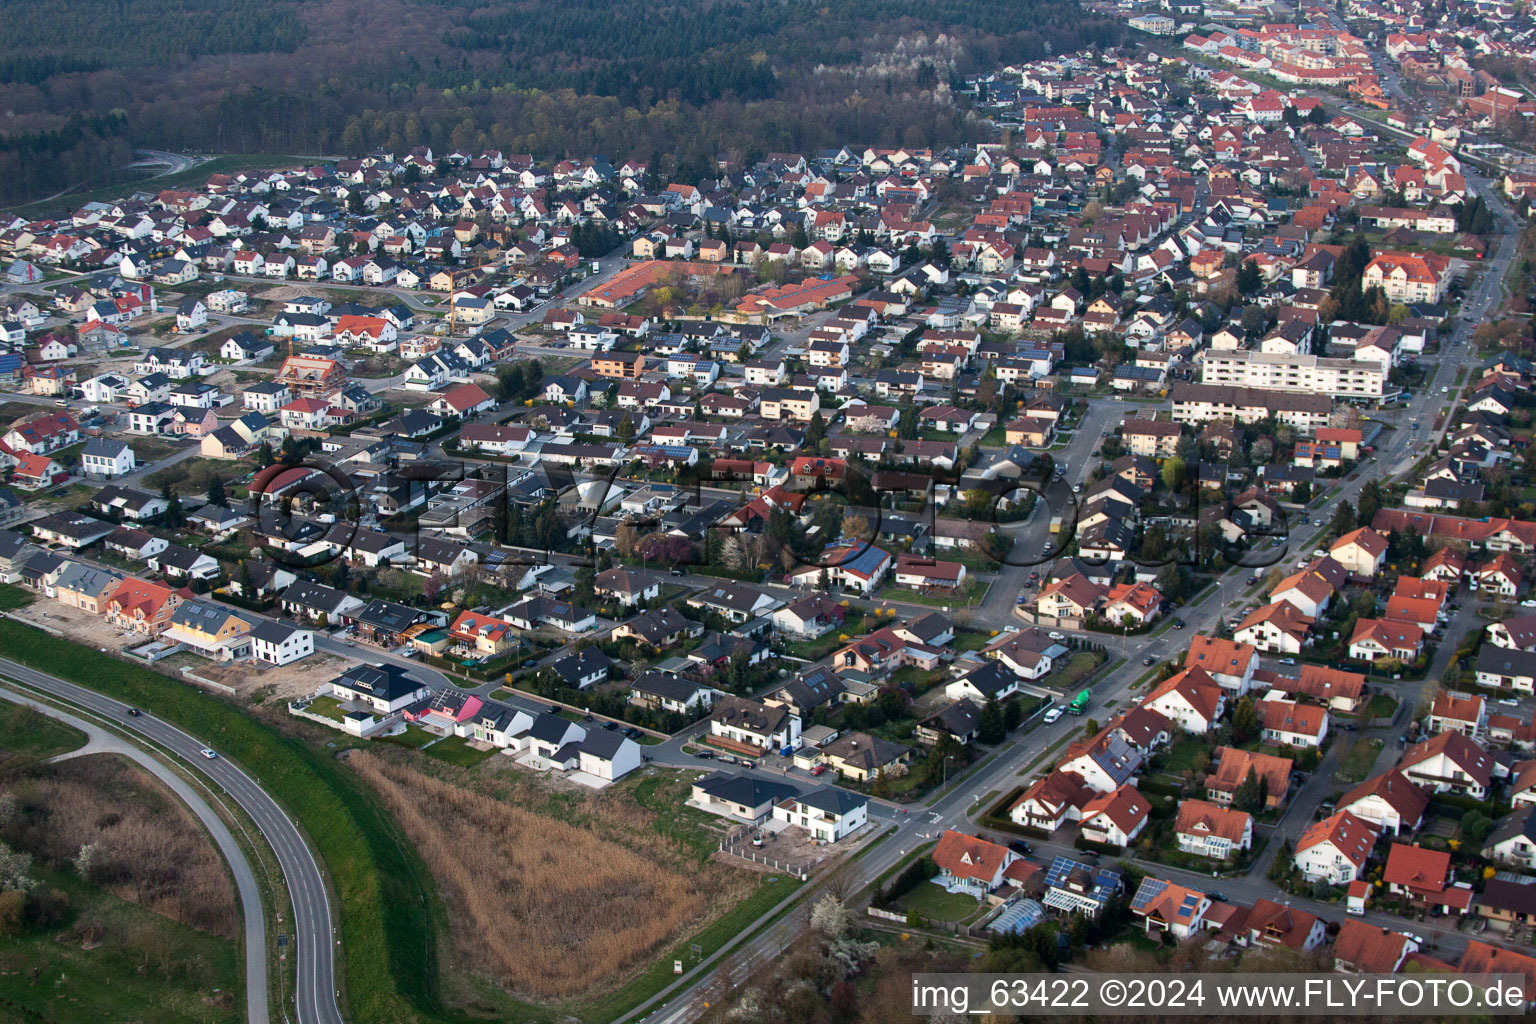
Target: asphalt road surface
[(310, 923), (100, 741)]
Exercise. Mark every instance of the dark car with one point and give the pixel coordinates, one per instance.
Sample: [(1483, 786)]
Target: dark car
[(1350, 727), (1020, 846), (530, 662), (1148, 660), (610, 726), (631, 733), (1178, 623), (704, 755), (1218, 896), (133, 712)]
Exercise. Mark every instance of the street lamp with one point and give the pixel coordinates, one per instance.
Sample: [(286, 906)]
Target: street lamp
[(947, 758)]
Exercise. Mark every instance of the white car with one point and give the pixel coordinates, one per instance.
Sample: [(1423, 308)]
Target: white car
[(1052, 715), (210, 755), (1445, 389), (1057, 636)]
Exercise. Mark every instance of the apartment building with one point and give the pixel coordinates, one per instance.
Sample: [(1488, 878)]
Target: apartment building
[(1306, 374)]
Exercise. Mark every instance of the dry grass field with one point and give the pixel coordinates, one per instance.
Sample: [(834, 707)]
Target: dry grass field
[(548, 908), (147, 848)]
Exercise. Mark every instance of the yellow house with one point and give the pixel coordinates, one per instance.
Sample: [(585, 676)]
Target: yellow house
[(211, 631)]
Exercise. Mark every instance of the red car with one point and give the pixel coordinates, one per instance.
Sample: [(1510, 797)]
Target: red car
[(818, 769)]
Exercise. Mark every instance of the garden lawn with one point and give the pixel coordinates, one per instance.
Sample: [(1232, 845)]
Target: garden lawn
[(936, 904), (13, 597), (456, 750), (1181, 755), (1382, 705), (1356, 764)]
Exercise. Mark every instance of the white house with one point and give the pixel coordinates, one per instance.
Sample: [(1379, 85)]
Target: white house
[(828, 814), (278, 644), (1210, 830), (1335, 849)]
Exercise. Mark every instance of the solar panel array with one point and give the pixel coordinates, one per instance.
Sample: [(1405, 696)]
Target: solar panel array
[(1151, 889)]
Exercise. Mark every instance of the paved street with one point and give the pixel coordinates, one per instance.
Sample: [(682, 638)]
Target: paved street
[(100, 741), (309, 917)]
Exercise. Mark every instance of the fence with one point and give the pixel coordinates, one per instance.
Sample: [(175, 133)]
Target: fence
[(224, 688), (953, 927), (801, 871)]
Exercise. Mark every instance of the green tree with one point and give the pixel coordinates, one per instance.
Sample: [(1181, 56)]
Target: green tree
[(1370, 502), (1249, 280), (1343, 519), (816, 430), (1173, 473), (1475, 827), (1250, 794), (1013, 714), (216, 492), (992, 730), (1245, 720)]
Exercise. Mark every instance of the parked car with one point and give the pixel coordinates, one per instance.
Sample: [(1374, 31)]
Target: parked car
[(1055, 635), (1020, 846), (1052, 715), (704, 755), (1178, 623), (818, 769)]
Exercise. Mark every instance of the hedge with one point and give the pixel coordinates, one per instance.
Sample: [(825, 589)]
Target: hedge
[(386, 953)]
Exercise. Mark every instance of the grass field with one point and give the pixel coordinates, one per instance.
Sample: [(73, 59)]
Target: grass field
[(1356, 764), (26, 734), (196, 175), (190, 476), (146, 968), (933, 902), (13, 597), (456, 750)]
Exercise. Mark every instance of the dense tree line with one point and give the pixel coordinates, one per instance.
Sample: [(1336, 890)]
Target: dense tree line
[(556, 80)]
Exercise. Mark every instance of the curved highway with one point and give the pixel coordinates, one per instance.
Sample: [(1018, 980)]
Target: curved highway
[(310, 923), (102, 742)]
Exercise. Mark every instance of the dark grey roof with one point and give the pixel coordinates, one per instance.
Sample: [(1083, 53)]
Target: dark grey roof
[(583, 663), (746, 790), (273, 632), (387, 615), (386, 682), (548, 728), (314, 596), (833, 800), (200, 615), (666, 687), (1506, 662), (602, 743)]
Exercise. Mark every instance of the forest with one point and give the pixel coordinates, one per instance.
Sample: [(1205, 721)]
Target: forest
[(84, 81)]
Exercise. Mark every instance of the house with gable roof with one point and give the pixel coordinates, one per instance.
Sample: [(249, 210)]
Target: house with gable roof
[(1335, 849)]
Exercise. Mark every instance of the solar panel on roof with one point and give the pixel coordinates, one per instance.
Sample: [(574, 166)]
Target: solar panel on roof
[(1151, 889)]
